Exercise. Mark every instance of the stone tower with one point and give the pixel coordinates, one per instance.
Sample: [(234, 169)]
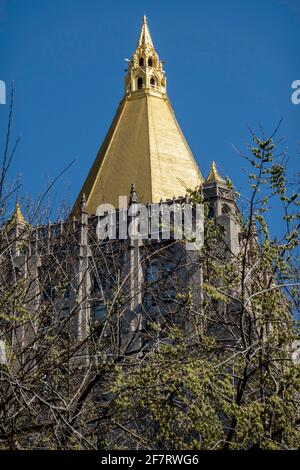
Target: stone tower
[(223, 208)]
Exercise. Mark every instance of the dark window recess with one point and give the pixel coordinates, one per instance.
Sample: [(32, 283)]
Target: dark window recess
[(211, 213), (65, 310), (152, 275), (140, 83), (226, 210), (99, 313)]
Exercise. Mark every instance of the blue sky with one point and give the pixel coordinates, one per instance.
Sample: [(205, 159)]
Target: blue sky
[(229, 64)]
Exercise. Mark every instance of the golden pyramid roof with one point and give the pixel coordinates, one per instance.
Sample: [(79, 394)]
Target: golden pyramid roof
[(17, 217), (144, 144), (18, 214), (214, 175)]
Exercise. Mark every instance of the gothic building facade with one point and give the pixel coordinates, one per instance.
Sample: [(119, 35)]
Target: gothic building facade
[(145, 157)]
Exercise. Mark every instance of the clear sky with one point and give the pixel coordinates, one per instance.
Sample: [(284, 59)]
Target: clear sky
[(229, 64)]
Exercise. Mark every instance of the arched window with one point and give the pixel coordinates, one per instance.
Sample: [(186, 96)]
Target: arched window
[(152, 82), (141, 62), (226, 210), (140, 83), (150, 62)]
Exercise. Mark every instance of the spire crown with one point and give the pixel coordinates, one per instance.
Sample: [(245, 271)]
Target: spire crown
[(145, 71)]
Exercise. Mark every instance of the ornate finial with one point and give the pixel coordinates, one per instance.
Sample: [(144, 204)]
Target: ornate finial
[(83, 203), (253, 227), (133, 195), (214, 175), (17, 216), (145, 36)]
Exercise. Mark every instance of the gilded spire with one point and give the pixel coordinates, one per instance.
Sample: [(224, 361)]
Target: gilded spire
[(19, 218), (156, 155), (145, 70), (214, 175), (145, 36)]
